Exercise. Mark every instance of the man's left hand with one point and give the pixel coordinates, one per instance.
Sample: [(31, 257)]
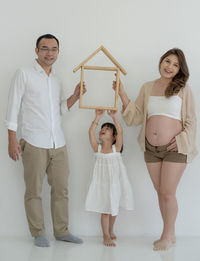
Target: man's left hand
[(78, 88)]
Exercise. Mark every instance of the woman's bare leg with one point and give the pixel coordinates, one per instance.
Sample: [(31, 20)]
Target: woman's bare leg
[(171, 174), (154, 170)]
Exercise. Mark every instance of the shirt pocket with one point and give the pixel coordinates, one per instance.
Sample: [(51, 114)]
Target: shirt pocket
[(33, 92)]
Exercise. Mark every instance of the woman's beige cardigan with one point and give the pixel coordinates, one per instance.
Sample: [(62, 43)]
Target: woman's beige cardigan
[(136, 114)]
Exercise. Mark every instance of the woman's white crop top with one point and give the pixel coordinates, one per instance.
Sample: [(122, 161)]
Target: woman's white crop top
[(160, 105)]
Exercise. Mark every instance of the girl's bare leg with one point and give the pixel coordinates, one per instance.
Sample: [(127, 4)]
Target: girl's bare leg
[(111, 225), (105, 228)]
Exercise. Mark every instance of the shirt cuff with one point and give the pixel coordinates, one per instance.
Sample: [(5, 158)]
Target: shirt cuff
[(64, 107), (11, 125), (182, 143)]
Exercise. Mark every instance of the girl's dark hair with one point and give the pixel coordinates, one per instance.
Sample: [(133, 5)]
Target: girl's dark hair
[(112, 126), (181, 77), (46, 36)]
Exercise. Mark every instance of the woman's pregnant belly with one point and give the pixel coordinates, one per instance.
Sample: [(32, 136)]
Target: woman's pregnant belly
[(161, 129)]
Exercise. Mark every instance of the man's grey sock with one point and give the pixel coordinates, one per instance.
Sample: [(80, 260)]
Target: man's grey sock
[(70, 238), (41, 241)]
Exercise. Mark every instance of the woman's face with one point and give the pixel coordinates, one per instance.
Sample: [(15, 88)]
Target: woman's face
[(169, 67)]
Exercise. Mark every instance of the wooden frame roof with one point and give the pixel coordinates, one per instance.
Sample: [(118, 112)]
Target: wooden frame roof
[(106, 52)]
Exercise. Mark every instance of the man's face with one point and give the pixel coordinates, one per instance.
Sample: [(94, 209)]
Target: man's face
[(47, 52)]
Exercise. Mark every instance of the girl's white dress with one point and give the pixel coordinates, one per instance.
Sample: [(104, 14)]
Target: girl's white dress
[(110, 187)]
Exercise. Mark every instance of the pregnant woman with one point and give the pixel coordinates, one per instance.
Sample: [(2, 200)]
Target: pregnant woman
[(165, 109)]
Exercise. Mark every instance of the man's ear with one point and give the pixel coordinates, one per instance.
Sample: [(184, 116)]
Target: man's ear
[(36, 50)]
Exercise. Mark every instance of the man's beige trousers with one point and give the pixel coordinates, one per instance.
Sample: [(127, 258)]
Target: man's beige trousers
[(37, 162)]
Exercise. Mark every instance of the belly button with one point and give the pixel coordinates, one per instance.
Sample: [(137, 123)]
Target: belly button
[(154, 133)]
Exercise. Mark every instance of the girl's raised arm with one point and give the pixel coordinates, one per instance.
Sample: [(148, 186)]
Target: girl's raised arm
[(92, 136)]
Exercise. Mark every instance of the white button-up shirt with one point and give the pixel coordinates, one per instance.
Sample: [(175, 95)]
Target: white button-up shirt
[(39, 98)]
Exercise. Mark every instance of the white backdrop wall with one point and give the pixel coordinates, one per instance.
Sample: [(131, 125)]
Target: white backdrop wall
[(137, 33)]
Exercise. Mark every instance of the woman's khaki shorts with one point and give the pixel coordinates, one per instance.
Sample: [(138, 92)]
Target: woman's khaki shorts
[(160, 153)]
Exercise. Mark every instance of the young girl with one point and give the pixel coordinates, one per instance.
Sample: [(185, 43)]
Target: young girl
[(110, 187)]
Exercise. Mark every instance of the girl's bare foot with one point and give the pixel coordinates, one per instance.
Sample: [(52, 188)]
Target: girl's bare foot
[(156, 241), (173, 239), (108, 241), (162, 244), (113, 236)]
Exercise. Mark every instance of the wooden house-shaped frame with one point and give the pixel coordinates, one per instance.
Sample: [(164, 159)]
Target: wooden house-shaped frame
[(117, 68)]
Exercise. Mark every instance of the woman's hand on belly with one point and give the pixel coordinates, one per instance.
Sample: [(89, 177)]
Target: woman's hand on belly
[(173, 145)]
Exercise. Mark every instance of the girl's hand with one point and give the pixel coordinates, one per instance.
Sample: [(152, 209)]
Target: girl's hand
[(99, 113), (112, 113), (173, 145)]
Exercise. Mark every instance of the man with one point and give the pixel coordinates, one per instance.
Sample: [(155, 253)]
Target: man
[(37, 92)]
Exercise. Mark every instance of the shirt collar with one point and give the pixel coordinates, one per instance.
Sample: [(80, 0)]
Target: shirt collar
[(39, 68)]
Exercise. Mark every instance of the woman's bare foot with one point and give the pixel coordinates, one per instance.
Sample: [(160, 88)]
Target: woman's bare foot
[(162, 244), (108, 241), (113, 236)]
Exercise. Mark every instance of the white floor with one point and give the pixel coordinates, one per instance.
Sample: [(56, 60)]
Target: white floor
[(127, 249)]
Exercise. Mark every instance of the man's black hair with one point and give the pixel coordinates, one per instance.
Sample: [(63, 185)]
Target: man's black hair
[(47, 36)]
